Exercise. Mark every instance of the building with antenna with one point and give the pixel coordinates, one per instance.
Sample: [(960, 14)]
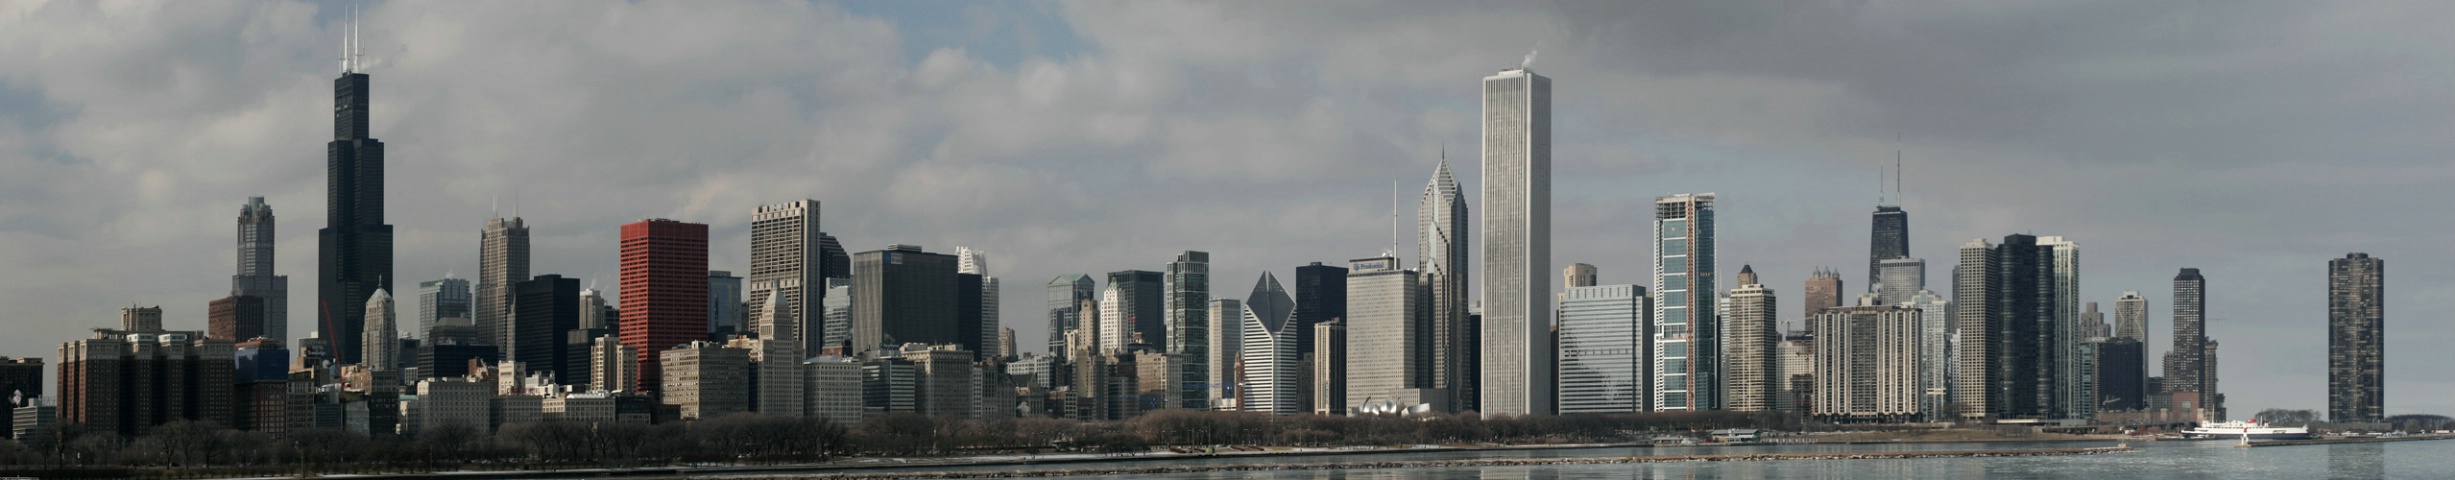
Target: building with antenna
[(354, 249)]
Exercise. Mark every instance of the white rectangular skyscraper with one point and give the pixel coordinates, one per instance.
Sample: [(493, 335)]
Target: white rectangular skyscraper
[(1517, 377), (785, 258)]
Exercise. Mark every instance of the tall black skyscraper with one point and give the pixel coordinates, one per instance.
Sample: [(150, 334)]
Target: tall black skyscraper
[(2004, 307), (904, 295), (354, 255), (2356, 339), (1890, 241), (544, 312), (1321, 295)]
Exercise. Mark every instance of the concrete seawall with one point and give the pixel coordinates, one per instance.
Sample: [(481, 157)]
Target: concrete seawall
[(1493, 462)]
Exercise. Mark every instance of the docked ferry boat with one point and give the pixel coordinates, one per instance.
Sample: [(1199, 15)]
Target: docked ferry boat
[(2234, 430)]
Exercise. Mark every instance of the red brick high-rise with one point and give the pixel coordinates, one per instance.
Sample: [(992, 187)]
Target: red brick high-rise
[(664, 290)]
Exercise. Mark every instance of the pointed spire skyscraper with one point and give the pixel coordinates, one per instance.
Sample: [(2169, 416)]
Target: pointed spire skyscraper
[(1440, 253)]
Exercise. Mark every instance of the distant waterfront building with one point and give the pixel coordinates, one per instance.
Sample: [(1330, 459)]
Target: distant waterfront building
[(664, 290), (1330, 367), (2004, 309), (1005, 344), (1753, 339), (1270, 356), (383, 339), (2093, 322), (728, 314), (969, 261), (1141, 307), (503, 261), (1389, 339), (832, 388), (1901, 277), (1116, 327), (1867, 364), (836, 333), (2131, 317), (786, 258), (1890, 240), (904, 295), (612, 366), (1686, 337), (2121, 386), (1190, 335), (439, 299), (1517, 377), (236, 318), (255, 277), (2356, 339), (21, 379), (124, 382), (448, 401), (1604, 366), (1823, 291), (1440, 248), (2187, 377), (2075, 381), (1066, 294), (142, 319), (706, 379), (1798, 371)]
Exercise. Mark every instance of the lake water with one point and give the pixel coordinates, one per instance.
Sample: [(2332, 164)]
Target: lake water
[(2170, 460)]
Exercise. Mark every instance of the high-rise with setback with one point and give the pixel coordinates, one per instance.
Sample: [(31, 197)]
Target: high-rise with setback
[(1751, 366), (255, 277), (1889, 240), (2356, 339), (1440, 247), (503, 261), (1270, 356), (974, 262), (785, 259), (354, 249), (1516, 273), (2187, 366), (1687, 356)]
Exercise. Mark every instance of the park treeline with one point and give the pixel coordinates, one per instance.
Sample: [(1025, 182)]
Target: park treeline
[(206, 449)]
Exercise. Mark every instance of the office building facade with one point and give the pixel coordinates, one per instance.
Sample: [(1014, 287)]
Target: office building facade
[(1604, 343), (1441, 250), (1066, 295), (664, 290), (1516, 273), (785, 259), (255, 277), (354, 249), (904, 295), (2356, 339), (1686, 333), (1752, 342), (1187, 305), (1269, 348), (503, 261)]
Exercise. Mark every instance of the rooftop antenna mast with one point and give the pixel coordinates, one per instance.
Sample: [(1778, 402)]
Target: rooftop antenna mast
[(1393, 220)]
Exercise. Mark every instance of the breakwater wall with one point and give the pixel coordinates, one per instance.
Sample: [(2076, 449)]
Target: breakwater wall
[(1489, 462)]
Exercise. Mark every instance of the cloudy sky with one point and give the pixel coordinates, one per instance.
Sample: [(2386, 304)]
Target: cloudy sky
[(2252, 140)]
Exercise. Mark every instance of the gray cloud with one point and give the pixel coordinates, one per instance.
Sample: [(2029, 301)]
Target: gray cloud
[(2253, 141)]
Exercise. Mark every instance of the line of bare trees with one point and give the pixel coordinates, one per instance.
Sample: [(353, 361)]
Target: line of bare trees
[(206, 447)]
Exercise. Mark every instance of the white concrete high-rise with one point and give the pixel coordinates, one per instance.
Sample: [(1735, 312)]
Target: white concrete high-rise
[(1226, 350), (1389, 338), (1116, 327), (1272, 371), (2131, 317), (1752, 341), (383, 337), (1516, 273), (2075, 383), (786, 259), (1687, 352)]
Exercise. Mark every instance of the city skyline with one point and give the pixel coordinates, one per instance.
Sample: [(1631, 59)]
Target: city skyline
[(962, 197)]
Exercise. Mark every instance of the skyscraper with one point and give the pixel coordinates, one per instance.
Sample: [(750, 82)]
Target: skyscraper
[(2075, 381), (1440, 248), (1066, 294), (1115, 327), (545, 310), (2093, 323), (1226, 351), (1389, 354), (383, 340), (1935, 353), (1823, 290), (1866, 364), (439, 299), (785, 258), (235, 318), (2356, 339), (140, 319), (1890, 240), (1686, 356), (836, 334), (976, 263), (503, 260), (1604, 366), (903, 295), (1517, 377), (664, 290), (354, 250), (1321, 295), (255, 277), (1270, 355), (1752, 364), (1189, 333), (1330, 368), (2131, 318), (595, 313), (2122, 367), (2186, 366), (1900, 278), (2004, 302), (968, 314)]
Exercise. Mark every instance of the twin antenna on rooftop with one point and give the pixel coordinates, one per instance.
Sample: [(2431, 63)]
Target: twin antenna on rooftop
[(351, 51)]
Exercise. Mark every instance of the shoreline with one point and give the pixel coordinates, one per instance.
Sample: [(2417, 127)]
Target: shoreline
[(1489, 462)]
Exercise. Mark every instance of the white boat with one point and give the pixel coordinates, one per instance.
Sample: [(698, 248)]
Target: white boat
[(2251, 430)]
